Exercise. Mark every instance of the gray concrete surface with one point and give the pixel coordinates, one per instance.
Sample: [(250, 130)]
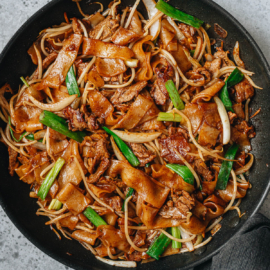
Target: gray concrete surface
[(16, 252)]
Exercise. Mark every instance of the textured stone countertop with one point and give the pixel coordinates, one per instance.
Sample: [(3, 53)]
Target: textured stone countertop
[(16, 252)]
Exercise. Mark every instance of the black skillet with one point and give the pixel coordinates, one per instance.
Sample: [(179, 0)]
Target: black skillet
[(14, 194)]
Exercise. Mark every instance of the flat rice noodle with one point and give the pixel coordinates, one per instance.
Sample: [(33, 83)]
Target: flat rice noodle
[(113, 119), (38, 95), (149, 216), (58, 146), (209, 92), (73, 199), (151, 113), (208, 135), (38, 170), (26, 118), (226, 194), (55, 135), (59, 94), (110, 67), (101, 190), (195, 116), (135, 113), (123, 36), (208, 187), (241, 138), (169, 178), (94, 78), (211, 115), (25, 170), (213, 198), (136, 24), (145, 72), (146, 186), (167, 32), (152, 124), (102, 49), (102, 251), (63, 62), (84, 236), (99, 105), (70, 172), (69, 222), (181, 59), (214, 210), (199, 210), (113, 237), (54, 189), (195, 225)]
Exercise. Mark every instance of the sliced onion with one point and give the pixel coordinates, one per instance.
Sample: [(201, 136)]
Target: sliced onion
[(179, 35), (54, 107), (132, 63), (185, 235), (225, 120), (150, 5), (40, 146), (40, 134), (118, 263), (246, 167), (135, 137), (116, 150)]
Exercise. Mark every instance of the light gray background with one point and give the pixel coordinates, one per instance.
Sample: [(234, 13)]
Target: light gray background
[(16, 252)]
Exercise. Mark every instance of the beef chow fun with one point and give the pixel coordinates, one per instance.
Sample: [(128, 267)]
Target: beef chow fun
[(133, 133)]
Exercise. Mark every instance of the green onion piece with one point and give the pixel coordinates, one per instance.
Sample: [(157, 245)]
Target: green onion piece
[(32, 138), (147, 165), (236, 77), (226, 167), (158, 246), (174, 95), (48, 181), (183, 171), (132, 159), (192, 52), (24, 81), (71, 83), (172, 117), (59, 124), (11, 131), (178, 15), (176, 233), (129, 193), (92, 215), (55, 205)]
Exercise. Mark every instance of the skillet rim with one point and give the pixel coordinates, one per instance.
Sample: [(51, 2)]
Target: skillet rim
[(67, 262)]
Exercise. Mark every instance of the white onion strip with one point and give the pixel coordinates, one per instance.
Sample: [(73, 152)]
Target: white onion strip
[(118, 263), (54, 107), (39, 62), (136, 137), (179, 35), (177, 239), (224, 119), (116, 150), (185, 235)]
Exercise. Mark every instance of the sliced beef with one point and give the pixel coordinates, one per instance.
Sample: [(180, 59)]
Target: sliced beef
[(203, 170), (178, 207), (95, 149), (75, 119), (175, 141), (243, 91), (128, 93), (143, 155), (159, 92)]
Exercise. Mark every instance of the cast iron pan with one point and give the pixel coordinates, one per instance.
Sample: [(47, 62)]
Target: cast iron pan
[(14, 194)]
